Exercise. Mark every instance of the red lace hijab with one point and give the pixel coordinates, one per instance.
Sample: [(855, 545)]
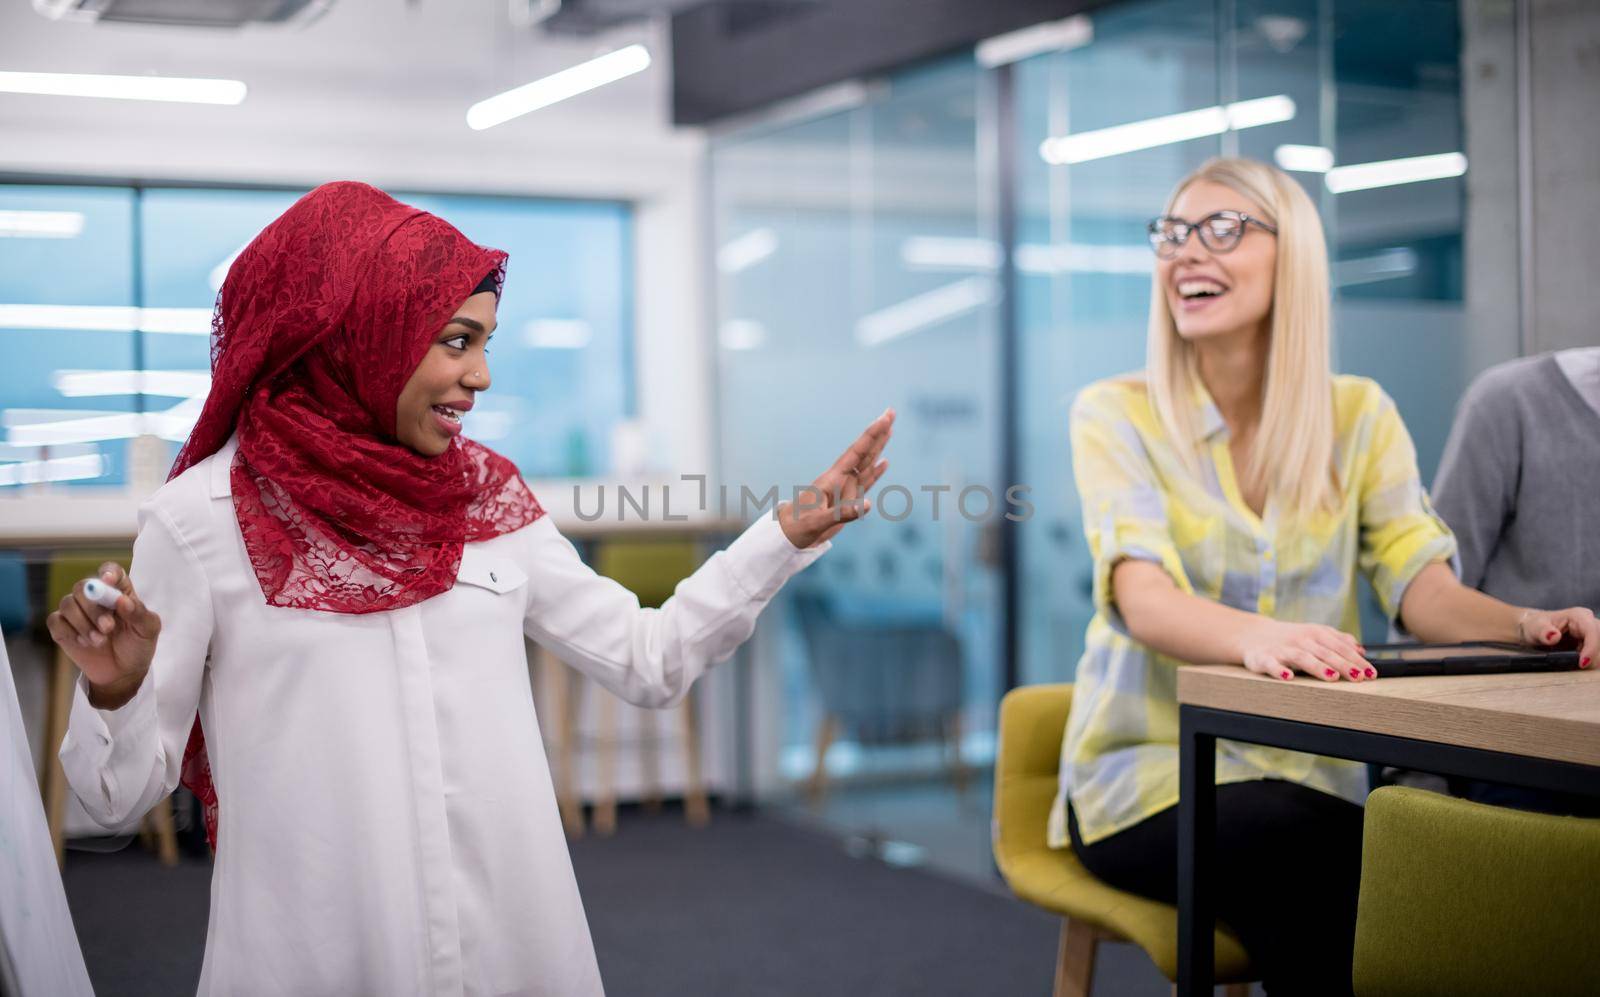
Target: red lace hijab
[(321, 322)]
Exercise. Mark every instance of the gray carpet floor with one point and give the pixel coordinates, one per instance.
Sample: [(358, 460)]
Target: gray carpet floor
[(752, 906)]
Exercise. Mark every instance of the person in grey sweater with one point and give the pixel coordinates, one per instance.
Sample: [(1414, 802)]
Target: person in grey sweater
[(1519, 484)]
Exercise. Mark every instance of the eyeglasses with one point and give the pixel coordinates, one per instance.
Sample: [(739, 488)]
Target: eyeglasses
[(1219, 232)]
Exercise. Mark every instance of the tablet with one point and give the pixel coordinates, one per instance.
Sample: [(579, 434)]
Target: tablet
[(1471, 658)]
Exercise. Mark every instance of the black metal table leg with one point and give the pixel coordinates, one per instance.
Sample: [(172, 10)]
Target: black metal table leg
[(1197, 832)]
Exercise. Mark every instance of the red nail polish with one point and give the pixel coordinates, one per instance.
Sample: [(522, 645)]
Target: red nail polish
[(1330, 673), (1584, 663), (1552, 635), (1371, 674), (1286, 675)]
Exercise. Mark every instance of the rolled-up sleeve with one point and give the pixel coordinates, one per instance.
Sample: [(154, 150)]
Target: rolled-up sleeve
[(1400, 532), (1124, 507)]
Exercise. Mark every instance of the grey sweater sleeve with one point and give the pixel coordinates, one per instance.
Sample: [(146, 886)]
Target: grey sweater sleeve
[(1476, 487)]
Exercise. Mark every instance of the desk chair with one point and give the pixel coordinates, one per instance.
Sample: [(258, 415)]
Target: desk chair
[(1465, 899), (65, 571), (883, 681), (1032, 721), (651, 569)]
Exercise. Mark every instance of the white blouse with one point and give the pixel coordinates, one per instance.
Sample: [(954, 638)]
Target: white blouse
[(387, 820)]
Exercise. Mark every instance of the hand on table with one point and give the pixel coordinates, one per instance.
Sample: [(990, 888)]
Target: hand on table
[(1278, 650)]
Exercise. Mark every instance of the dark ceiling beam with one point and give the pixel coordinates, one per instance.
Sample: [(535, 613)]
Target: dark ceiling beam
[(735, 56)]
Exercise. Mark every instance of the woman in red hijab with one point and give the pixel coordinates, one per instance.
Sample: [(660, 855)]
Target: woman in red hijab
[(323, 631)]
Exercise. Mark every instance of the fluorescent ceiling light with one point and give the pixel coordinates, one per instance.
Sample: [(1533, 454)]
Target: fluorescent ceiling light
[(41, 224), (24, 429), (1281, 32), (1053, 36), (1304, 158), (1389, 172), (9, 452), (557, 87), (31, 472), (923, 310), (55, 10), (54, 427), (107, 318), (935, 252), (1082, 257), (1390, 264), (1118, 139), (747, 250), (168, 88), (168, 383), (556, 334), (926, 252), (180, 321), (742, 334)]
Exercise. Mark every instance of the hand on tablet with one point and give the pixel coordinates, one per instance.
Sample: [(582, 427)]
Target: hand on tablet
[(1278, 650), (1549, 628)]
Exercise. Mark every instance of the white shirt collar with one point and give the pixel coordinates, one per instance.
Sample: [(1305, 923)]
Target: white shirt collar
[(1582, 367), (222, 467)]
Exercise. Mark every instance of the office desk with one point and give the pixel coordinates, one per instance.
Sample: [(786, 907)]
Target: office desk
[(1539, 730)]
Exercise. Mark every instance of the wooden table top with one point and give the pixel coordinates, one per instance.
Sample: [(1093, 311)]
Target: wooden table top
[(1553, 715)]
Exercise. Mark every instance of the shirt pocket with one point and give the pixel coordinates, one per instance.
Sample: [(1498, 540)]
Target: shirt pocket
[(490, 592), (475, 632), (490, 572)]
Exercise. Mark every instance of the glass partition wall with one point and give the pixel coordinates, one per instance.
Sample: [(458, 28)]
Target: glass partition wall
[(859, 264), (846, 283), (106, 297)]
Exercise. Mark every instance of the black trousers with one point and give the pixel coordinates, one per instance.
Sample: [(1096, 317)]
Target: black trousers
[(1288, 869)]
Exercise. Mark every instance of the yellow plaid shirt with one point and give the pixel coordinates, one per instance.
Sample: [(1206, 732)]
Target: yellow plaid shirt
[(1119, 758)]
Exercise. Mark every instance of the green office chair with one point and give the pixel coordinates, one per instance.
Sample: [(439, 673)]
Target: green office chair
[(1465, 899), (1032, 721)]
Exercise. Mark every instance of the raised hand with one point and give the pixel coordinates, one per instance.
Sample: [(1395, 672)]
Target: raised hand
[(839, 496)]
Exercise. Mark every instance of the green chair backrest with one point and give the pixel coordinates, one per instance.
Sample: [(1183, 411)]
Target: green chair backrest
[(1027, 763), (68, 568), (1460, 898), (651, 569)]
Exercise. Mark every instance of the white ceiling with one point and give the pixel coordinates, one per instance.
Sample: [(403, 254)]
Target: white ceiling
[(391, 76)]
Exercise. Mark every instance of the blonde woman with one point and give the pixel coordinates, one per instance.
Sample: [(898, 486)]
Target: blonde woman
[(1230, 495)]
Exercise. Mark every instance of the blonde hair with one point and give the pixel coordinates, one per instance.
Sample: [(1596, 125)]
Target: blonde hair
[(1292, 454)]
